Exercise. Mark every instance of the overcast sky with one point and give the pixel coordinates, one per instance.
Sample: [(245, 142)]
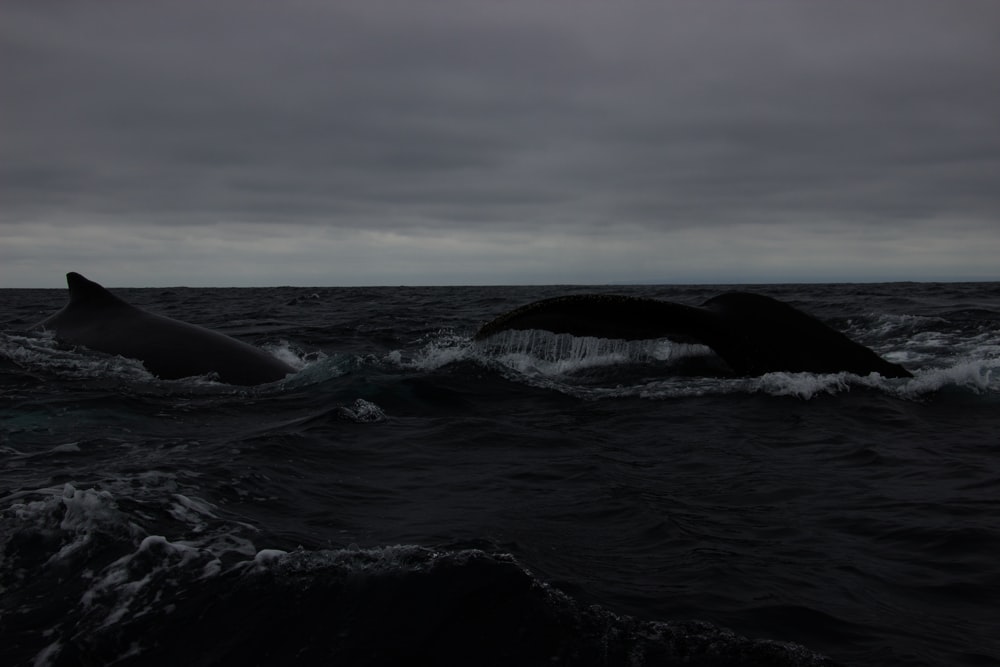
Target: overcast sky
[(313, 142)]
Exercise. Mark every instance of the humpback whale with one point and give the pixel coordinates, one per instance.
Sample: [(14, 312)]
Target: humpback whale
[(97, 319), (754, 334)]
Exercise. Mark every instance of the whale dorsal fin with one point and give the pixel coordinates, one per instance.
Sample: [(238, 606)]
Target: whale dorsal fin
[(86, 291)]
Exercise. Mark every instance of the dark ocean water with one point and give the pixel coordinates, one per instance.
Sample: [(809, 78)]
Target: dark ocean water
[(411, 497)]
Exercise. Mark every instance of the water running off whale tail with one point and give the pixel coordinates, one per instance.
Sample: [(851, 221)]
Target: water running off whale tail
[(754, 334), (97, 319)]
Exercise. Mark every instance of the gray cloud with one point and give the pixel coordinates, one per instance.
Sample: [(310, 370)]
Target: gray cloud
[(475, 120)]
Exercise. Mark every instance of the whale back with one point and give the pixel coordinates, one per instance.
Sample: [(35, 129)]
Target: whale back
[(168, 348)]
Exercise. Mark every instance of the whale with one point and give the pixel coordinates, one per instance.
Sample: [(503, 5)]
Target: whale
[(753, 334), (169, 349)]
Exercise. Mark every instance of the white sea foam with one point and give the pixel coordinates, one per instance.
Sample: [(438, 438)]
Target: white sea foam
[(979, 376), (119, 587), (389, 558), (265, 555), (364, 412), (440, 349), (41, 352), (548, 360), (544, 353), (82, 519), (293, 355), (319, 367), (82, 514), (192, 511), (883, 326), (802, 385)]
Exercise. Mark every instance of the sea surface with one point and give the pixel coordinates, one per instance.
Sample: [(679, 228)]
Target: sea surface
[(411, 496)]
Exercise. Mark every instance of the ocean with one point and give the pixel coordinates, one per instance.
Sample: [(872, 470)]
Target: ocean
[(411, 496)]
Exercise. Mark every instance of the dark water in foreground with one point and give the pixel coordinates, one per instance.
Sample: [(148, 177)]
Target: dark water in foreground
[(410, 496)]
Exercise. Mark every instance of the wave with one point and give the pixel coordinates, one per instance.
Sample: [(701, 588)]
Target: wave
[(595, 368), (964, 361), (41, 353), (127, 596)]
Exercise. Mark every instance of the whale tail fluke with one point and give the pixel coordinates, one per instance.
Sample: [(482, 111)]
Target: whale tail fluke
[(752, 333), (606, 316), (765, 335)]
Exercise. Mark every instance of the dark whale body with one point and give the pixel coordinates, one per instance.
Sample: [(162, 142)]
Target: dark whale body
[(752, 333), (97, 319)]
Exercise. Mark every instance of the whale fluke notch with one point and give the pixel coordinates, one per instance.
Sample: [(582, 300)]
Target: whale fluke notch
[(754, 334)]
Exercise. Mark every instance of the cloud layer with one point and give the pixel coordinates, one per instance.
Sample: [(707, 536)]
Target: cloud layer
[(309, 142)]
